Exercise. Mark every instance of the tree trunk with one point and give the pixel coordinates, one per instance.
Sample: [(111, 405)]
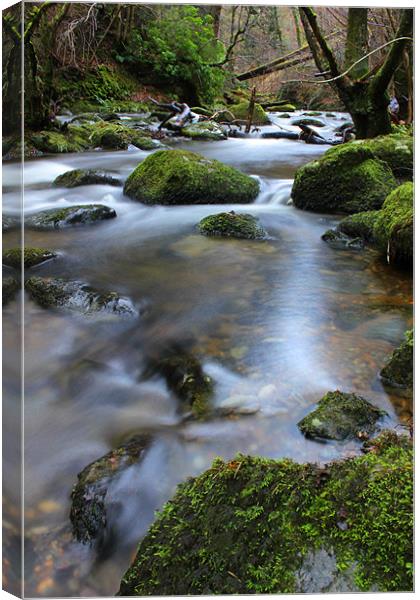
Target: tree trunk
[(357, 42)]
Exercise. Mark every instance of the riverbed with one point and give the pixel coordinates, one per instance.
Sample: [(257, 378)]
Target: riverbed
[(277, 323)]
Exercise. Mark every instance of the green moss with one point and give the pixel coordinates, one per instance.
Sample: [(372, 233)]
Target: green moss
[(245, 526), (394, 149), (240, 111), (70, 216), (31, 257), (399, 369), (339, 416), (232, 224), (314, 113), (308, 121), (77, 177), (359, 225), (182, 177), (55, 142), (204, 130), (115, 136), (286, 108), (347, 179), (393, 229)]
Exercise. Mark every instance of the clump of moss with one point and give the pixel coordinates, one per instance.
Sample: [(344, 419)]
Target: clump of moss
[(10, 288), (56, 142), (347, 179), (182, 177), (308, 121), (313, 113), (240, 111), (339, 416), (246, 525), (394, 149), (82, 214), (393, 229), (76, 177), (31, 257), (359, 225), (399, 369), (204, 130), (232, 224), (285, 108)]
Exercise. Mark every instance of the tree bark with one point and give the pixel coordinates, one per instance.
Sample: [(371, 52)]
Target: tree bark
[(357, 41)]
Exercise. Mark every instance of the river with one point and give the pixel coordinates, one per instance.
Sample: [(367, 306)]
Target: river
[(277, 324)]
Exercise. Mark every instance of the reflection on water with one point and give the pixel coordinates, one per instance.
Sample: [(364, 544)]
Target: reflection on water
[(277, 323)]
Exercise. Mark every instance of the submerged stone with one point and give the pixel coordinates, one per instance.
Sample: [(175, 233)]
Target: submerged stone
[(88, 513), (253, 525), (71, 179), (31, 257), (77, 296), (57, 218), (182, 177), (204, 130), (10, 288), (339, 416), (346, 179), (232, 224), (398, 371), (337, 239)]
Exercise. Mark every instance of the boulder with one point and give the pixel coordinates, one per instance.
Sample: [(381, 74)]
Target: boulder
[(232, 224), (10, 288), (396, 150), (56, 142), (204, 130), (31, 257), (115, 136), (77, 296), (337, 239), (313, 113), (398, 371), (58, 218), (253, 525), (182, 177), (76, 177), (339, 416), (346, 179), (260, 117), (308, 121), (359, 225), (88, 513), (285, 108)]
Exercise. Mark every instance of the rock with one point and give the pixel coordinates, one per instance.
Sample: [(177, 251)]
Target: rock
[(232, 224), (394, 224), (115, 136), (330, 115), (182, 177), (88, 513), (277, 135), (58, 218), (308, 121), (257, 525), (339, 416), (337, 239), (56, 142), (77, 296), (398, 371), (346, 179), (31, 257), (204, 130), (9, 223), (17, 150), (396, 150), (313, 113), (284, 116), (286, 108), (140, 141), (10, 288), (184, 376), (240, 112), (71, 179), (359, 225)]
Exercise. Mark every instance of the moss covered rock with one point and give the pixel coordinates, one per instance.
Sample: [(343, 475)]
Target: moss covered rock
[(394, 149), (248, 526), (347, 179), (76, 177), (10, 288), (76, 296), (240, 111), (16, 150), (339, 416), (31, 257), (56, 142), (313, 113), (393, 228), (88, 512), (285, 108), (204, 130), (359, 225), (232, 224), (84, 214), (399, 369), (308, 121), (182, 177)]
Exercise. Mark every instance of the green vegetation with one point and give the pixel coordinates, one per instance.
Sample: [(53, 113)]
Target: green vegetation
[(241, 110), (399, 369), (31, 257), (245, 526), (394, 149), (205, 130), (359, 225), (76, 177), (182, 177), (232, 224)]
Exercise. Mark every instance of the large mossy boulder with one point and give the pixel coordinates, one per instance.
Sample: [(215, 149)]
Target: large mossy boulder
[(252, 525), (396, 150), (182, 177), (232, 224), (339, 416), (76, 177), (346, 179), (58, 218), (241, 112), (88, 513), (77, 296), (204, 130), (31, 257), (394, 226), (398, 371)]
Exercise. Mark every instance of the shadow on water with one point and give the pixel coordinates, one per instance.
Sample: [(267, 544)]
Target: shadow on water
[(276, 323)]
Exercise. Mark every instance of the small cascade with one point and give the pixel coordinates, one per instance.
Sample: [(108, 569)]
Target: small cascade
[(274, 192)]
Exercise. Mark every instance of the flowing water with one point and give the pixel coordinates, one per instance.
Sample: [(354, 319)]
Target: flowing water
[(277, 323)]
